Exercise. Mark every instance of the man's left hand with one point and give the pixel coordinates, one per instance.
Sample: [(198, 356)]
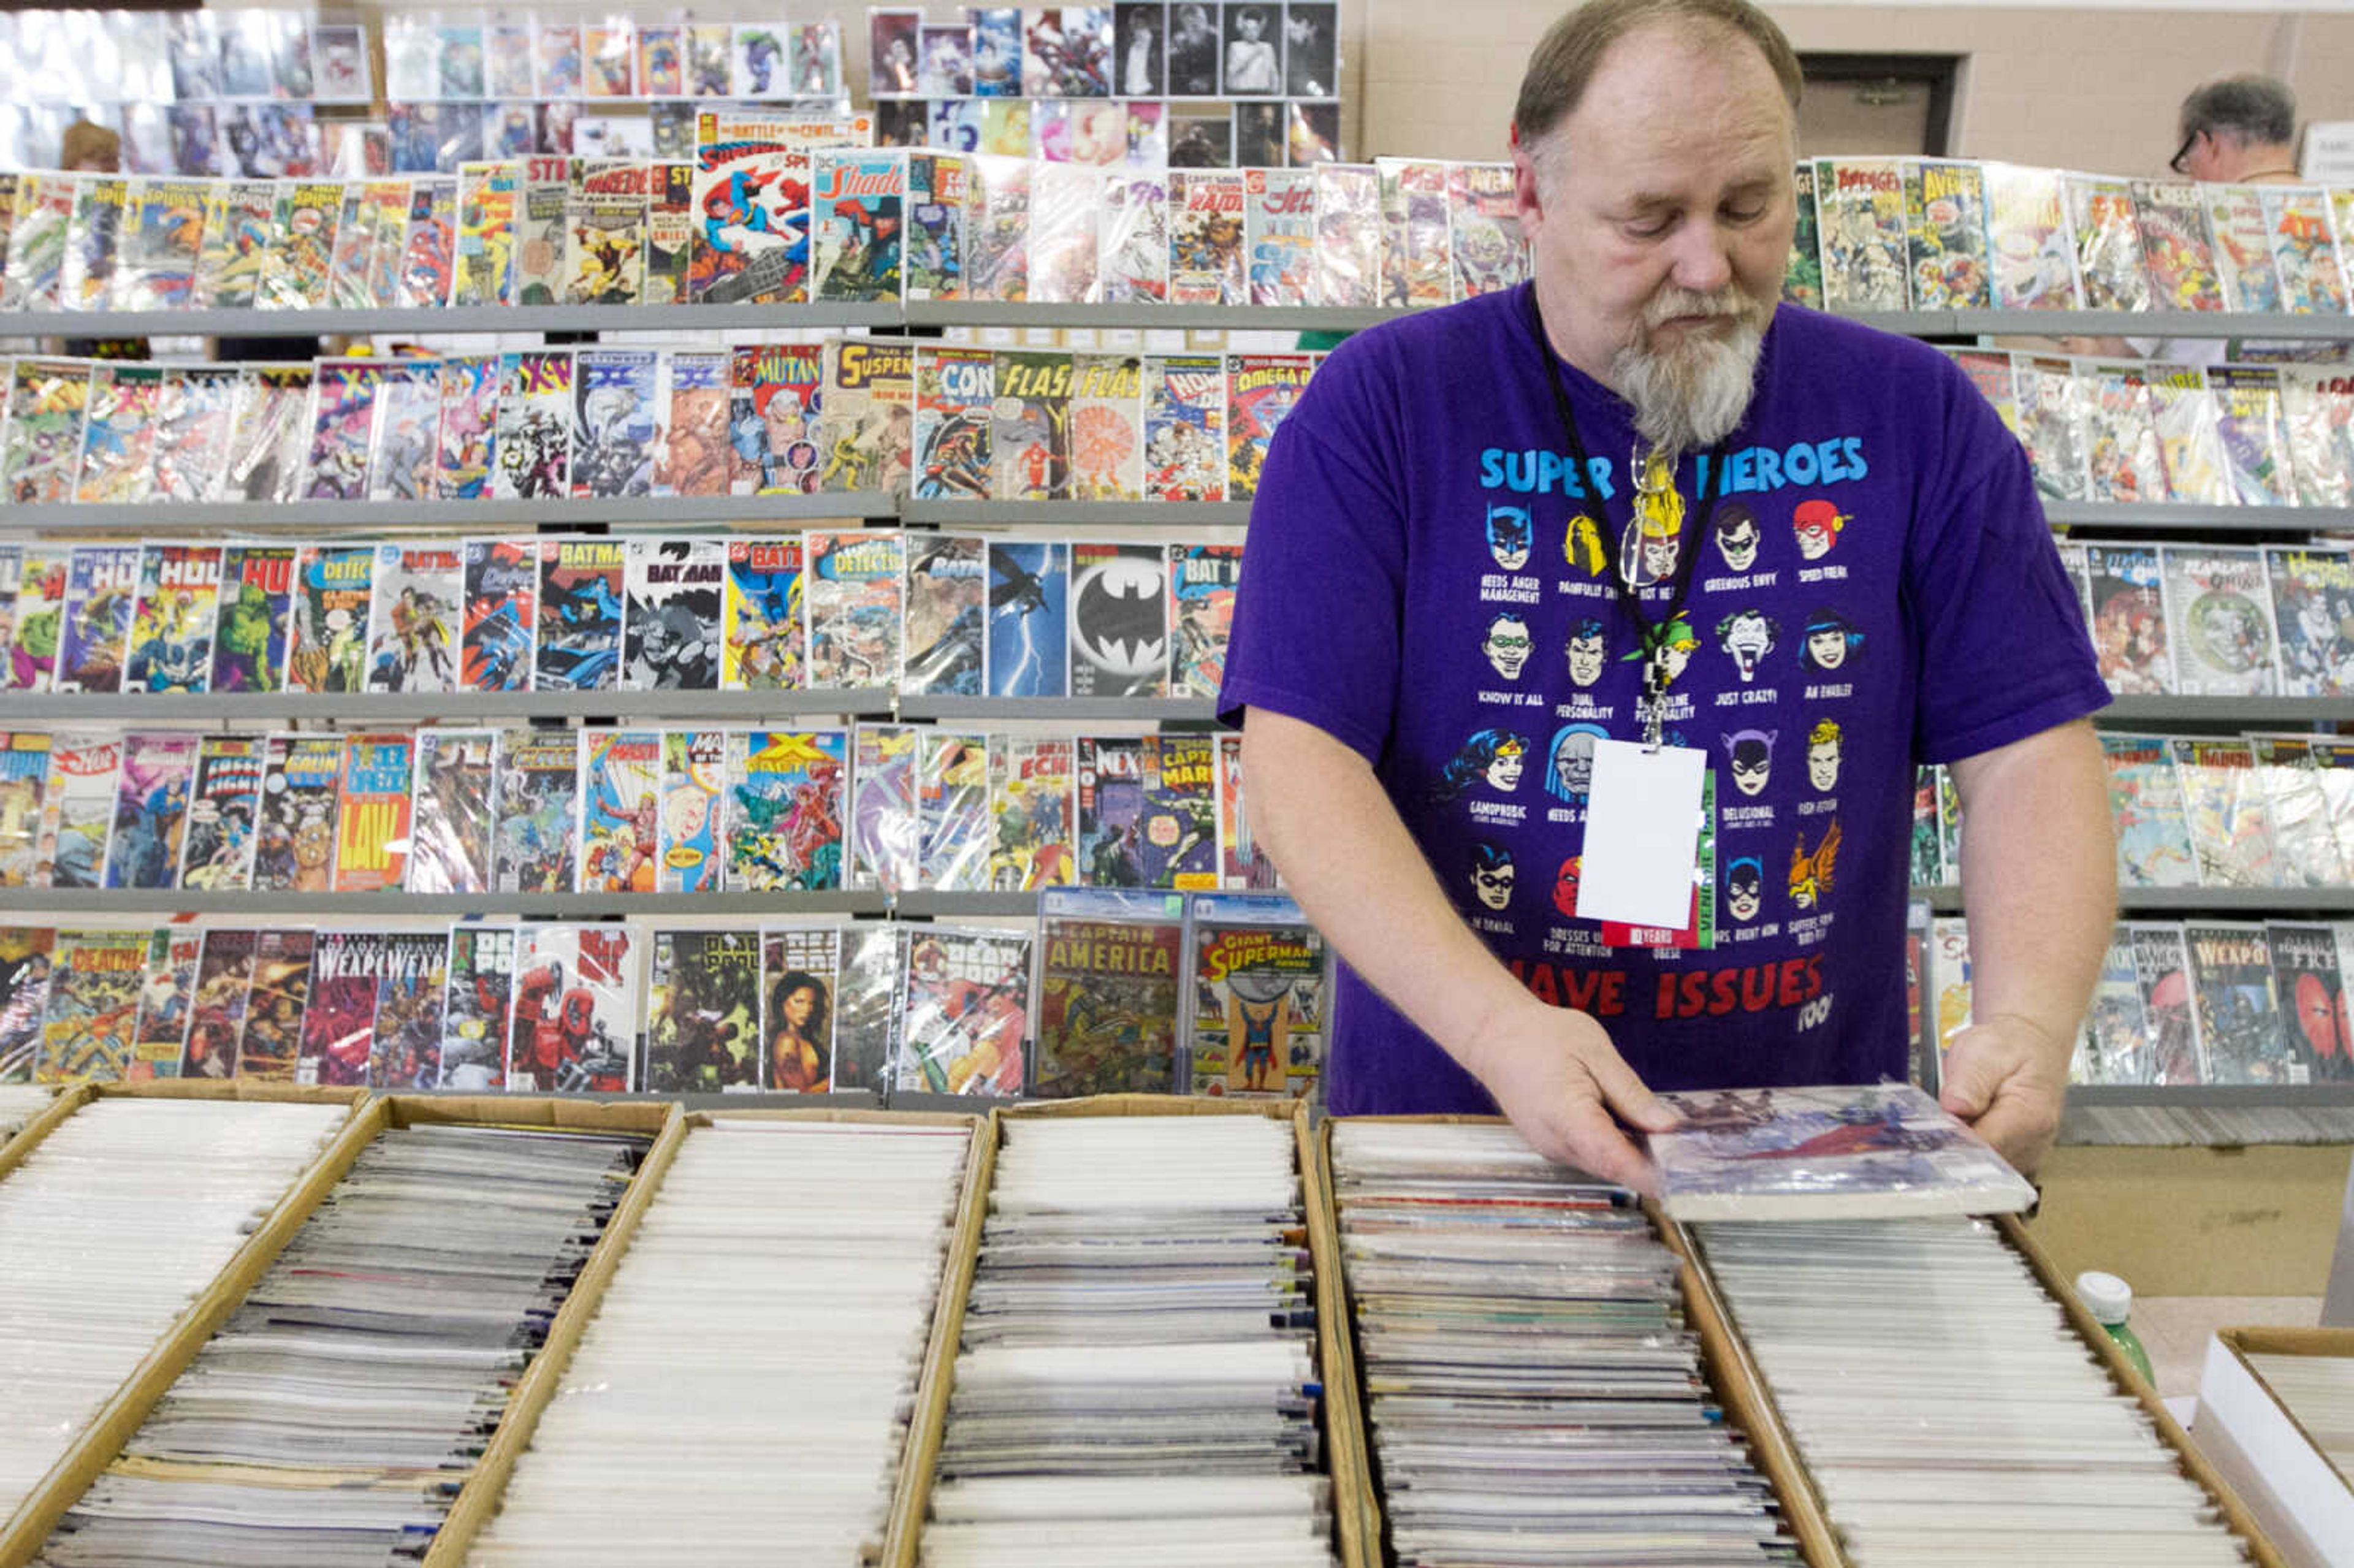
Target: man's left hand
[(2007, 1077)]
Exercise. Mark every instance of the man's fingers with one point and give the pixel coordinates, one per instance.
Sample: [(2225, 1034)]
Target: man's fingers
[(1969, 1083), (1625, 1094), (1591, 1141), (2019, 1130)]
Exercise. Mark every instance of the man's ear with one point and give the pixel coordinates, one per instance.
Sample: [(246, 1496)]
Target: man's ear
[(1526, 201)]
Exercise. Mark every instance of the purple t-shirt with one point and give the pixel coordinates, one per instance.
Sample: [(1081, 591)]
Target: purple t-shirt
[(1878, 587)]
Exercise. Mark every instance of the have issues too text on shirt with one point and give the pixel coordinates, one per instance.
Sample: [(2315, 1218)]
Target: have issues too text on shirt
[(1429, 580)]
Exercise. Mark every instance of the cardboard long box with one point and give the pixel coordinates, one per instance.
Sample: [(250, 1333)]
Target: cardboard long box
[(2262, 1447)]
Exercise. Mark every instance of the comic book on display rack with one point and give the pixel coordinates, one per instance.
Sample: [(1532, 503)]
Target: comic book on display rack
[(217, 1001), (694, 809), (2108, 243), (194, 423), (2318, 407), (1118, 620), (25, 971), (2220, 614), (851, 585), (785, 808), (102, 588), (342, 430), (2121, 437), (414, 619), (78, 809), (703, 1012), (1945, 230), (946, 598), (2304, 845), (773, 404), (857, 198), (339, 1025), (89, 1022), (962, 1011), (1207, 225), (2296, 221), (1860, 204), (481, 268), (1179, 834), (36, 243), (616, 397), (500, 583), (2239, 1016), (1416, 267), (162, 1030), (676, 591), (1029, 802), (581, 588), (1030, 437), (534, 440), (1261, 389), (605, 232), (886, 832), (953, 803), (866, 416), (1028, 651), (150, 808), (997, 228), (428, 251), (2244, 252), (692, 455), (29, 659), (1258, 1003), (2145, 800), (49, 403), (1184, 428), (1107, 993), (2312, 603), (2050, 405), (761, 641), (269, 434), (535, 849), (273, 1006), (865, 1028), (2174, 246), (800, 975), (670, 230), (405, 461), (2224, 807), (956, 396), (620, 811), (479, 985), (24, 780), (936, 215), (751, 195), (2256, 446), (404, 1047), (1110, 793), (93, 243), (374, 808), (450, 846), (2309, 983), (224, 801), (1064, 246), (1483, 231), (573, 1023), (1107, 427), (172, 626), (118, 451), (2190, 436)]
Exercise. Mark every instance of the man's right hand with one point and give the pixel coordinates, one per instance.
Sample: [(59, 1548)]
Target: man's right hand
[(1555, 1074)]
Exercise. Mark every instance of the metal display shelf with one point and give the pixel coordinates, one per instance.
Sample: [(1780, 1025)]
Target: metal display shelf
[(2137, 324), (964, 905), (1164, 710), (1082, 513), (1145, 313), (2225, 712), (2207, 519), (450, 319), (393, 516), (266, 907), (448, 707), (2237, 903)]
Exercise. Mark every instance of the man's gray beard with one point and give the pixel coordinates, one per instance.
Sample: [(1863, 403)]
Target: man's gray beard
[(1693, 396)]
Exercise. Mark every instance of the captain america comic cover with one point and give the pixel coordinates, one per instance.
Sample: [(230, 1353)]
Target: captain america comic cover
[(581, 599), (956, 396), (676, 589), (414, 618), (786, 809), (692, 453), (224, 804), (477, 991), (150, 808), (500, 581), (533, 849), (451, 826), (613, 421), (761, 646), (945, 607), (573, 1021), (172, 625)]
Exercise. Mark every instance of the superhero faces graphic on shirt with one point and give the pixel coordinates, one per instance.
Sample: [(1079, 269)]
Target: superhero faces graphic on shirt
[(1745, 887), (1735, 528), (1508, 644), (1816, 524), (1748, 635), (1749, 754), (1830, 641), (1570, 775), (1588, 650), (1491, 875), (1509, 535), (1494, 756), (1823, 756)]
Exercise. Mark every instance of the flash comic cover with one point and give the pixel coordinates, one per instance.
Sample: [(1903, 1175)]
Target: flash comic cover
[(581, 588), (1031, 431), (500, 581), (2176, 250), (1179, 836), (573, 1024), (217, 1006), (694, 800), (952, 800), (449, 838), (468, 429), (2239, 1017), (773, 418), (373, 812), (160, 251), (670, 230), (1110, 798), (535, 430), (2313, 607), (1107, 427), (429, 253), (785, 810), (675, 589), (2256, 446), (947, 604), (479, 987), (703, 1012), (1184, 428), (150, 808), (1206, 226), (1417, 269), (616, 392), (339, 1024), (405, 462), (49, 402), (800, 975), (2243, 251), (2126, 612), (94, 243), (866, 416), (1120, 620), (1108, 994), (172, 625), (605, 232), (1029, 802), (857, 212), (997, 228), (1802, 278), (266, 1046), (269, 436), (620, 811), (1261, 389), (193, 423), (1259, 1014), (534, 849), (91, 1020), (850, 597), (224, 803), (2121, 435), (956, 396), (342, 428), (160, 1034), (2219, 620), (1860, 206), (24, 781), (294, 841), (118, 454), (1202, 583), (1028, 648), (937, 198), (2229, 821), (886, 832), (1946, 230), (333, 589), (413, 623), (963, 1013), (692, 449), (481, 270), (1279, 236), (761, 648), (101, 587)]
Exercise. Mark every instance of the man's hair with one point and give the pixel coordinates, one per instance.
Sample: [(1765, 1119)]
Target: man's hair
[(1564, 59), (2248, 109)]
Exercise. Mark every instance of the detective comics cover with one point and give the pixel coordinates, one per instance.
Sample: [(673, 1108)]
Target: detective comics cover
[(605, 232), (616, 392), (450, 839), (1120, 620), (703, 1012), (266, 1046), (1202, 579), (118, 452), (165, 994), (573, 1022), (1107, 427), (150, 808), (761, 648), (582, 590), (24, 780), (1109, 792), (692, 455), (413, 622), (800, 969), (172, 625), (945, 599), (534, 849), (773, 418), (1261, 389), (952, 800), (675, 589), (501, 584), (193, 423), (1184, 428), (294, 839), (405, 1053), (963, 1013), (887, 831), (1860, 204), (1029, 802), (101, 587), (1946, 234), (91, 1015), (620, 812), (851, 599), (479, 986), (329, 646), (1030, 438), (405, 464), (166, 234), (533, 443), (429, 252), (785, 810), (1259, 1003), (866, 416), (49, 402), (956, 396), (373, 806), (224, 804), (339, 1024), (269, 435)]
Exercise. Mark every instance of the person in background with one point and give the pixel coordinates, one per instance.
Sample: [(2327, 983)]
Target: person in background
[(93, 149)]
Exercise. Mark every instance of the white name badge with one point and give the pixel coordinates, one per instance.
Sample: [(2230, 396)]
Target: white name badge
[(1642, 834)]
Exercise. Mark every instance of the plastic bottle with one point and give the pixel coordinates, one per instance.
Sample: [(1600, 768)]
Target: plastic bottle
[(2110, 1301)]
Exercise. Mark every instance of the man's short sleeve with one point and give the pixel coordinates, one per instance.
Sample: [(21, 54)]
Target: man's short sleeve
[(1317, 626)]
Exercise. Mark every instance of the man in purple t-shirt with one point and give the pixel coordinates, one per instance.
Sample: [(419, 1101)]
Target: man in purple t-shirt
[(1488, 532)]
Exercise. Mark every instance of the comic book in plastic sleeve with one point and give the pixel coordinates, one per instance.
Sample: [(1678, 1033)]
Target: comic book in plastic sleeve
[(703, 1012), (25, 974), (2239, 1016), (161, 1032), (605, 232), (556, 64), (2109, 267), (2145, 800), (160, 251), (1065, 245), (2304, 846), (852, 606), (533, 444), (478, 990), (101, 589), (269, 434), (1107, 427), (937, 201), (670, 231), (388, 201), (956, 395), (886, 830), (1261, 389), (997, 228), (2313, 607), (801, 976), (342, 428), (615, 399), (1109, 791), (2190, 436), (428, 251), (2317, 418), (1860, 206), (693, 811), (1207, 227), (2223, 803), (32, 588), (118, 454), (150, 807), (620, 811), (1244, 861), (172, 625), (77, 809), (866, 416), (2052, 426), (1028, 648), (2243, 250), (457, 793), (1132, 237), (347, 266), (2256, 446), (404, 465), (7, 221), (374, 802), (542, 204), (2112, 1047), (1202, 583), (255, 620), (501, 584), (1184, 428), (2029, 249), (339, 1025), (533, 849), (294, 839), (661, 59), (224, 803), (1107, 993), (858, 224), (1030, 443), (946, 596), (1279, 236), (216, 1003), (2220, 618), (1946, 234), (752, 197), (2125, 609), (1178, 845), (774, 401), (238, 216), (787, 801), (296, 267), (49, 402), (1416, 267), (710, 63), (1927, 867), (42, 212), (2309, 985), (192, 431), (2176, 250), (609, 57), (24, 780), (963, 1013), (1030, 804), (94, 243), (2305, 258), (691, 448), (2121, 435), (760, 648), (1802, 276), (1257, 1003), (92, 1008), (332, 588), (415, 618), (481, 268), (406, 1051), (573, 1022), (676, 589), (952, 802), (1118, 620), (1483, 237), (581, 601)]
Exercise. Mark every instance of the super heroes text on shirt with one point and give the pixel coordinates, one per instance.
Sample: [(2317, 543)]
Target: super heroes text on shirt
[(1534, 471)]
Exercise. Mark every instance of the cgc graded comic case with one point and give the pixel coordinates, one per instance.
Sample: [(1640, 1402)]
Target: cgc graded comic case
[(947, 606), (483, 261), (1483, 230), (1029, 799), (620, 811), (866, 416), (1945, 232), (1258, 1003), (414, 620), (328, 649), (605, 232), (956, 396), (962, 1010), (478, 989), (761, 641), (573, 1023), (1261, 389), (581, 588), (1120, 620), (693, 803), (703, 1012), (1206, 225), (117, 453), (2029, 251), (534, 849), (1184, 428), (172, 627), (294, 844), (1132, 237), (1866, 242), (773, 418), (2109, 269), (374, 811), (2175, 251), (2239, 1016), (785, 810), (2313, 604), (1107, 427), (851, 599), (455, 810), (193, 425), (801, 976), (150, 808), (2219, 616), (1030, 439), (2126, 608), (1802, 278), (615, 395), (1028, 652), (533, 441), (49, 402), (858, 224), (692, 452), (502, 602), (673, 629)]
